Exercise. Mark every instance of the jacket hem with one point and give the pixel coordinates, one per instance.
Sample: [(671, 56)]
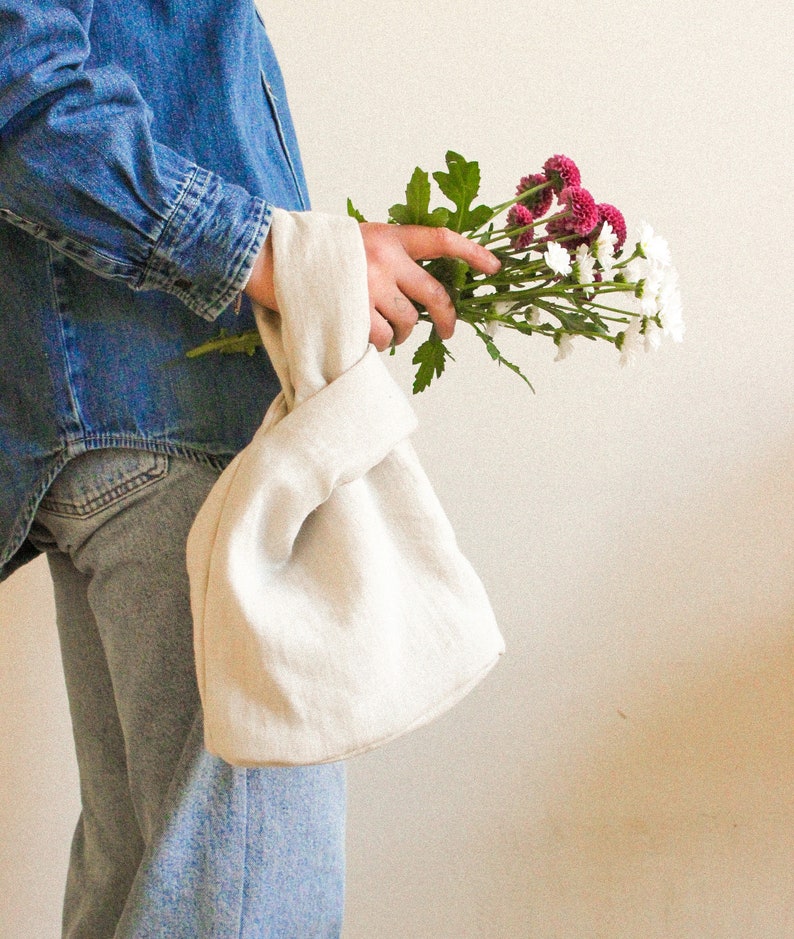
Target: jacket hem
[(18, 551)]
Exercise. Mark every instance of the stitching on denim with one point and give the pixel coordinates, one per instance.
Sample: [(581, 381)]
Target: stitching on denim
[(124, 487), (109, 265), (272, 101), (157, 267), (76, 446), (60, 308)]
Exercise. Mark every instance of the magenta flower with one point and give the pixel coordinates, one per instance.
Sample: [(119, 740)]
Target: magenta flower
[(608, 213), (581, 205), (561, 171), (560, 228), (519, 217), (538, 202)]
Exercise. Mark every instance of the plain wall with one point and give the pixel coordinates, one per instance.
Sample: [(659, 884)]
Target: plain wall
[(627, 771)]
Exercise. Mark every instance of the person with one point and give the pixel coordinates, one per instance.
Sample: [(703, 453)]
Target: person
[(142, 148)]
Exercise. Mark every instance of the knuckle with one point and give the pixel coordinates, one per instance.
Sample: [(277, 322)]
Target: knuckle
[(381, 336), (438, 295), (377, 252), (446, 238)]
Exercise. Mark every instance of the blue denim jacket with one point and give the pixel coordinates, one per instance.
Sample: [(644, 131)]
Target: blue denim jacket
[(142, 147)]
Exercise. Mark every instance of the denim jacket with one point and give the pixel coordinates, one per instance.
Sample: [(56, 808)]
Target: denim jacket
[(142, 147)]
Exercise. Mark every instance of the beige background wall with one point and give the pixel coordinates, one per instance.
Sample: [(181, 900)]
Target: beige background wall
[(627, 772)]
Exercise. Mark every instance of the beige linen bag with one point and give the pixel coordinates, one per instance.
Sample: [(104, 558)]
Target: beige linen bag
[(333, 610)]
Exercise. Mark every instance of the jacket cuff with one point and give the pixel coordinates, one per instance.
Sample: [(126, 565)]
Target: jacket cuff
[(206, 251)]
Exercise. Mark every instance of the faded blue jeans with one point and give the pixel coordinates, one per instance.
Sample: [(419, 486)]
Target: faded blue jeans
[(172, 843)]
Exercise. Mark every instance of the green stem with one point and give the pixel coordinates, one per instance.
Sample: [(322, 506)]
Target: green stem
[(519, 197)]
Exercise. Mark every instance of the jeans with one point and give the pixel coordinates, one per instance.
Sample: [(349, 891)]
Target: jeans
[(171, 842)]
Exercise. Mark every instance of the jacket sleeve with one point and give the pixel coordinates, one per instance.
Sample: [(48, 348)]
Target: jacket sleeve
[(79, 168)]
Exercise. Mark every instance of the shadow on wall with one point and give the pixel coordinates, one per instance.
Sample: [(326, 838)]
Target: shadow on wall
[(680, 821), (673, 812)]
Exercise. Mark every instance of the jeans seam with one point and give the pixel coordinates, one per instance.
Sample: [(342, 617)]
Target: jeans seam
[(96, 504)]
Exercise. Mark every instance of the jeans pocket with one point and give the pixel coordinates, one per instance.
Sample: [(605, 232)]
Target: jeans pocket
[(95, 480)]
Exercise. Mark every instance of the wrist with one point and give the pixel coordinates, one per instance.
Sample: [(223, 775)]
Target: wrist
[(259, 288)]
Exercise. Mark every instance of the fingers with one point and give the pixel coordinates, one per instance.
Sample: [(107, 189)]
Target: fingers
[(423, 244), (395, 279), (416, 283), (392, 325)]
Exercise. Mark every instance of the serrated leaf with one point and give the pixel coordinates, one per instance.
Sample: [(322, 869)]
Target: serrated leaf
[(476, 218), (247, 341), (461, 185), (497, 356), (431, 358), (353, 212), (416, 210)]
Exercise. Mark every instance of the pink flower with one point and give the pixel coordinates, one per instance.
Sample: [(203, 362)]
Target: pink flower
[(581, 205), (520, 217), (560, 228), (561, 171), (538, 202), (608, 213)]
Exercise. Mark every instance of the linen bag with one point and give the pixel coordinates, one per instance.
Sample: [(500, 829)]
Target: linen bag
[(333, 610)]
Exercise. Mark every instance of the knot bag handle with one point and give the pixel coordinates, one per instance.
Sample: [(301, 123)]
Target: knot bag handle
[(311, 343)]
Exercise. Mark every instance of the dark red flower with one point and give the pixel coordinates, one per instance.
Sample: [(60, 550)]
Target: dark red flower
[(561, 171), (559, 229), (581, 205), (538, 202), (608, 213), (519, 217)]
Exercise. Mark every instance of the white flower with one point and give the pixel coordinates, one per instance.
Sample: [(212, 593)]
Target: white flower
[(654, 247), (636, 270), (564, 345), (653, 336), (671, 311), (608, 268), (532, 315), (605, 247), (584, 268), (500, 308), (649, 296), (557, 259), (632, 343)]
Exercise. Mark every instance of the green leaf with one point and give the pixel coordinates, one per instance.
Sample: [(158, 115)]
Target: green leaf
[(478, 217), (431, 359), (353, 212), (497, 356), (416, 210), (247, 341), (451, 272), (461, 186)]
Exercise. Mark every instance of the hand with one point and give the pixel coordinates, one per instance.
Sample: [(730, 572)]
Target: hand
[(395, 279)]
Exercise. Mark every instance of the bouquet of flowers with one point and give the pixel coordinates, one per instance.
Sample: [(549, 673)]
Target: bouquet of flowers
[(567, 268)]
